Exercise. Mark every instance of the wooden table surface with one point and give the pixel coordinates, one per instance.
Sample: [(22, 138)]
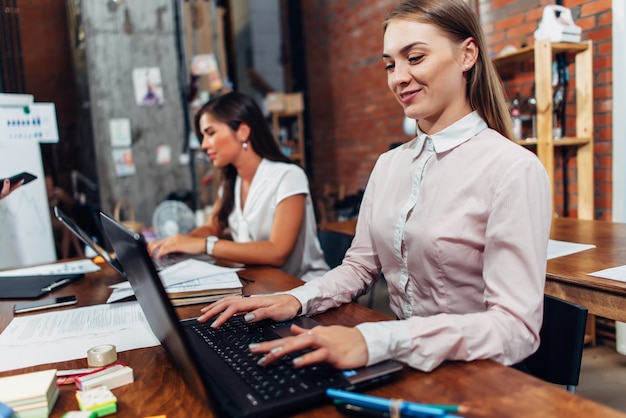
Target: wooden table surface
[(486, 388)]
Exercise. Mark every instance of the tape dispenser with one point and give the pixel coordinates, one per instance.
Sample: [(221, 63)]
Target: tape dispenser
[(557, 25)]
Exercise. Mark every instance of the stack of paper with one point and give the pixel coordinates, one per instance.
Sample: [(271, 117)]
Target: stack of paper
[(30, 395), (189, 282)]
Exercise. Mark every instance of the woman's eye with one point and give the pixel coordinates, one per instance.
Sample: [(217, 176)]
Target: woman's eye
[(415, 59), (389, 67)]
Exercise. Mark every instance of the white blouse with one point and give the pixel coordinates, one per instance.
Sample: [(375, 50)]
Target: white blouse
[(272, 183)]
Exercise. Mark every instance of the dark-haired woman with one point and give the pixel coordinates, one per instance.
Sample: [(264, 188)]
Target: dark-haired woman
[(265, 201)]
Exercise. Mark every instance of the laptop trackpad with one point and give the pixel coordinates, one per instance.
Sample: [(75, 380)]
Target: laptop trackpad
[(283, 328)]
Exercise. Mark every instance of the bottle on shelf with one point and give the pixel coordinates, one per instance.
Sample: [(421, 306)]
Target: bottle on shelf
[(517, 119)]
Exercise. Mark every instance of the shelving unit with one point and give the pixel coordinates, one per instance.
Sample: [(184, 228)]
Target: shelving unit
[(286, 119), (286, 110), (543, 52)]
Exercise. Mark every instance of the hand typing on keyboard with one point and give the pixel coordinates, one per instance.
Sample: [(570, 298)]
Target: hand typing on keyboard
[(343, 347), (177, 244)]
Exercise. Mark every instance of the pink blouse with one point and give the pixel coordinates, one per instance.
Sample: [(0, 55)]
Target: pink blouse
[(458, 222)]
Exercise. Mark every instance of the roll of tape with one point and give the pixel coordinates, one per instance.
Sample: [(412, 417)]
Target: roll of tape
[(101, 355)]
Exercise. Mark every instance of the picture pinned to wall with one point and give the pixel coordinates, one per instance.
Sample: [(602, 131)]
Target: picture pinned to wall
[(123, 160), (119, 130), (148, 86), (164, 154), (206, 64)]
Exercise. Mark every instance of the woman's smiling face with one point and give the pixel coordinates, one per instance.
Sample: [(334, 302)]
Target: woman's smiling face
[(425, 72)]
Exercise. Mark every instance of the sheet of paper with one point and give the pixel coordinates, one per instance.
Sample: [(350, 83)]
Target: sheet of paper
[(191, 269), (613, 273), (69, 267), (217, 281), (50, 337), (561, 248), (225, 280)]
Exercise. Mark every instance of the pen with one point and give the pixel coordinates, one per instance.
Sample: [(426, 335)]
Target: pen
[(407, 409), (54, 285), (447, 408)]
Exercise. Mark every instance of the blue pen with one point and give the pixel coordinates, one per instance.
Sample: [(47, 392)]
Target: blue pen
[(407, 409)]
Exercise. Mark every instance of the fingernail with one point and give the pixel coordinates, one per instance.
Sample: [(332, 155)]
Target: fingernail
[(249, 317), (253, 346), (297, 360), (276, 350), (262, 361), (214, 324)]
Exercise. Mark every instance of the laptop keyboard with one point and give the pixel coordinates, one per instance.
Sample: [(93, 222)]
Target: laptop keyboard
[(275, 381), (169, 259)]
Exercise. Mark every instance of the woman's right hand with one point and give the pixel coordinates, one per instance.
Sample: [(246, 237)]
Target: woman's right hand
[(256, 308)]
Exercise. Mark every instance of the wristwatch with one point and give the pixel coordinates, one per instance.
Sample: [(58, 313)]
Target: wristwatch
[(210, 243)]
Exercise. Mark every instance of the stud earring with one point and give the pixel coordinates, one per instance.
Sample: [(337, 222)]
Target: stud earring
[(244, 144)]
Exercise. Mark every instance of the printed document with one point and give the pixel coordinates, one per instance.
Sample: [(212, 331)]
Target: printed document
[(50, 337)]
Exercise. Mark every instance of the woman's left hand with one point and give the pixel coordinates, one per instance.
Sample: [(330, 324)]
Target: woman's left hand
[(177, 244), (343, 347)]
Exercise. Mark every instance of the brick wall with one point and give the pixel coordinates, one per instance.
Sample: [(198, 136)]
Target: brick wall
[(354, 117), (49, 77), (352, 114), (513, 22)]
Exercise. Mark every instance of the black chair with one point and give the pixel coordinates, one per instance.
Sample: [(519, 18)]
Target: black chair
[(558, 358), (334, 245)]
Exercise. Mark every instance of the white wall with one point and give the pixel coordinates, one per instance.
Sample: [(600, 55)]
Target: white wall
[(619, 110), (25, 228)]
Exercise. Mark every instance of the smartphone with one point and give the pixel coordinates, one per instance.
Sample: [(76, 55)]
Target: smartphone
[(25, 176), (44, 304)]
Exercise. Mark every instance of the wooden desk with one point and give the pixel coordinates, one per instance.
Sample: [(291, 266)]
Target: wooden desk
[(487, 388), (343, 227), (567, 277)]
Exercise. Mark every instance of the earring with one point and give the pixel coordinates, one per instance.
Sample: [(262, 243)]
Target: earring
[(244, 144)]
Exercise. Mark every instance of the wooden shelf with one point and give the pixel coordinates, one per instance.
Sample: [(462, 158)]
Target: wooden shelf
[(543, 53), (528, 52), (286, 109), (297, 154)]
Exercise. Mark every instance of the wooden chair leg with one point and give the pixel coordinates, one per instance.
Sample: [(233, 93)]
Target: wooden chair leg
[(590, 331)]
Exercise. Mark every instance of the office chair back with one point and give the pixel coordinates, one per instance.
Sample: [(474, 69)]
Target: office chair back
[(334, 245), (560, 352)]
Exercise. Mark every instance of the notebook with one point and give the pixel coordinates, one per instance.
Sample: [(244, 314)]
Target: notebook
[(160, 263), (209, 359), (34, 286)]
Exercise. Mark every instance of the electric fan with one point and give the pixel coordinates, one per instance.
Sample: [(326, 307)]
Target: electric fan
[(172, 217)]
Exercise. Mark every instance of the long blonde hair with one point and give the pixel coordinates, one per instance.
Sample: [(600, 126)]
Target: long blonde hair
[(484, 87)]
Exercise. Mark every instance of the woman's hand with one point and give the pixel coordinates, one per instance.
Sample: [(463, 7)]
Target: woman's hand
[(257, 308), (177, 244), (6, 188), (343, 347)]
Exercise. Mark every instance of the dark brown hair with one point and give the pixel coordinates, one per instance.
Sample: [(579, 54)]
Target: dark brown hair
[(233, 109)]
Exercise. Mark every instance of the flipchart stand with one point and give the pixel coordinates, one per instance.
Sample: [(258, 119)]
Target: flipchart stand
[(26, 235)]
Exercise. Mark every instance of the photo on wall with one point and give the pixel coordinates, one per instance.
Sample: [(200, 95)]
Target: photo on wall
[(148, 86)]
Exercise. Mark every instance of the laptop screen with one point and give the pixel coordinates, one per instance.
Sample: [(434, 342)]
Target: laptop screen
[(130, 248), (86, 239)]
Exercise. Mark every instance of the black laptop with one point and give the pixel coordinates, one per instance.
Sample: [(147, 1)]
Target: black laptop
[(87, 240), (217, 362), (160, 263)]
